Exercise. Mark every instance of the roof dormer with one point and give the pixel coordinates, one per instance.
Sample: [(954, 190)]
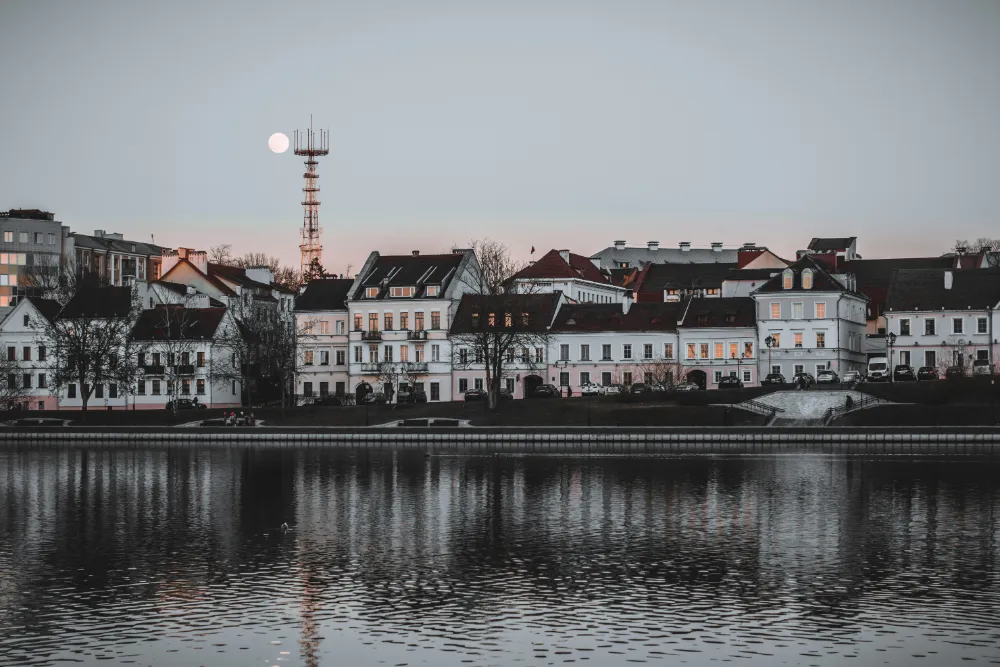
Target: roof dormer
[(807, 279), (787, 279)]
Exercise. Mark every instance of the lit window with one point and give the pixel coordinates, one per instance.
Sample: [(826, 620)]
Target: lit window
[(690, 350), (733, 350), (798, 340), (704, 350), (820, 310), (820, 339), (775, 311), (432, 290), (371, 292), (787, 279), (718, 351), (807, 279), (668, 350), (401, 291)]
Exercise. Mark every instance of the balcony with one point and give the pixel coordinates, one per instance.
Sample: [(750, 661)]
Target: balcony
[(416, 335), (371, 335), (153, 369), (184, 369), (369, 368), (415, 366)]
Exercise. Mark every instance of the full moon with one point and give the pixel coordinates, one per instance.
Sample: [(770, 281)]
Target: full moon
[(278, 142)]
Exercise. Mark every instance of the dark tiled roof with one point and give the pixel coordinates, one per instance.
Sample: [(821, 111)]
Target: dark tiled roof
[(609, 317), (325, 294), (823, 244), (823, 281), (752, 274), (49, 308), (659, 277), (731, 312), (99, 303), (552, 265), (540, 309), (410, 271), (873, 275), (115, 245), (167, 322), (236, 274), (623, 277), (923, 289)]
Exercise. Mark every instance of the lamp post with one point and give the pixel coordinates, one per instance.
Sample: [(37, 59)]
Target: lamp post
[(890, 340), (769, 341)]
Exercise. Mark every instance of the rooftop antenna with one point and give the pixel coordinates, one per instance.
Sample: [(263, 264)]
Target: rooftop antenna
[(311, 146)]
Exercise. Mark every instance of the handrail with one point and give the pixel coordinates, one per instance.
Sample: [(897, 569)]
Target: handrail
[(865, 401), (759, 408)]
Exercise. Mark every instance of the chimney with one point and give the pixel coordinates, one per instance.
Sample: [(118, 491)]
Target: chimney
[(565, 255), (799, 254), (99, 233), (685, 246), (749, 245), (619, 245), (415, 253), (948, 278), (716, 246), (652, 245)]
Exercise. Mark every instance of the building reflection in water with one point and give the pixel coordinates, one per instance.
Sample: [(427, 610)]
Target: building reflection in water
[(392, 552)]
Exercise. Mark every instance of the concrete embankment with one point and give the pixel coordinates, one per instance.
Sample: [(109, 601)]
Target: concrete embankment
[(535, 440)]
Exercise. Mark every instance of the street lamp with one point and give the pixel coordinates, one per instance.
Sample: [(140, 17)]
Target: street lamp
[(890, 340), (739, 364), (770, 342)]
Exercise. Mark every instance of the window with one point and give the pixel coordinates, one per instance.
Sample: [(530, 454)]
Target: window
[(478, 383), (775, 311), (41, 381), (983, 355), (787, 279), (27, 320), (324, 388), (11, 353), (22, 237), (418, 321), (734, 350), (606, 352), (704, 351), (435, 391), (798, 340), (26, 352), (388, 321), (930, 327), (539, 355), (324, 327), (904, 357), (26, 381), (463, 385), (404, 353), (308, 357), (340, 357), (627, 377), (981, 325), (373, 354), (820, 310), (435, 319), (99, 391), (435, 353), (720, 351), (71, 391), (748, 350), (564, 352), (820, 339), (52, 238), (404, 321), (324, 358), (647, 350), (388, 353), (372, 321), (463, 355), (357, 354), (957, 325), (690, 350), (776, 337), (627, 351), (509, 383), (432, 290), (606, 378), (807, 279), (747, 377), (776, 369), (185, 386), (713, 291), (8, 237), (371, 292), (584, 353), (112, 391), (340, 327), (156, 387), (357, 321), (584, 379), (307, 388), (799, 368), (563, 379), (716, 376), (796, 311), (141, 388), (668, 350), (401, 291), (904, 327)]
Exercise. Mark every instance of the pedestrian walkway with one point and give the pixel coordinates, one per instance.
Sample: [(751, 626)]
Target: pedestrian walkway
[(807, 407)]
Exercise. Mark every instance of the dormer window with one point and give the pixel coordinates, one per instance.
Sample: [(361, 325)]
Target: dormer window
[(371, 292), (787, 279), (432, 290), (475, 320), (807, 279), (401, 292)]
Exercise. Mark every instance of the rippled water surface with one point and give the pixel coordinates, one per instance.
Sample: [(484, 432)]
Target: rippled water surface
[(176, 557)]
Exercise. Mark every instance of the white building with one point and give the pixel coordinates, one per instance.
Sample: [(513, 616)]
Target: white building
[(718, 338), (815, 319), (321, 324), (944, 318), (578, 278), (28, 355), (400, 309)]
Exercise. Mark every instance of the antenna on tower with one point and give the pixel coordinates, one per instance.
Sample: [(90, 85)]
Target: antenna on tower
[(311, 146)]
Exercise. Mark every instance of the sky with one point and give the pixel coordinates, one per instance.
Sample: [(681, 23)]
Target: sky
[(554, 124)]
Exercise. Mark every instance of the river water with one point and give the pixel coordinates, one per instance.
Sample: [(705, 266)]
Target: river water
[(177, 557)]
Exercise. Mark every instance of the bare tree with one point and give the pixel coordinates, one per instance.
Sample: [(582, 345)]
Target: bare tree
[(388, 373), (12, 389), (413, 374), (221, 254), (283, 276), (659, 371), (173, 346), (960, 354)]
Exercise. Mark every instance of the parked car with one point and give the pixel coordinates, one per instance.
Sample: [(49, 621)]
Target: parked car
[(476, 395), (375, 398), (640, 388), (903, 373), (327, 399), (878, 369), (774, 378), (609, 389), (547, 391), (504, 394), (853, 377), (807, 377), (827, 377), (730, 382), (982, 367), (590, 389), (954, 372), (687, 386), (185, 404), (416, 396), (925, 373)]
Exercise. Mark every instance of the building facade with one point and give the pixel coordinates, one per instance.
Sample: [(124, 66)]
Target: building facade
[(30, 254), (321, 323)]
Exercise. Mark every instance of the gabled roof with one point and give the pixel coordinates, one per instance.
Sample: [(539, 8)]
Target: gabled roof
[(116, 245), (552, 266), (623, 277), (540, 308), (236, 274), (324, 294), (99, 303), (659, 277), (611, 257), (729, 312), (751, 274), (48, 308), (873, 275), (214, 280), (832, 244), (823, 281), (610, 317), (924, 290), (164, 323), (416, 271)]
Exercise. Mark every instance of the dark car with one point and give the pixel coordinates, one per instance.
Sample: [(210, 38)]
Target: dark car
[(640, 388), (328, 399), (376, 397), (730, 382), (407, 396), (925, 373), (476, 395), (954, 372), (903, 373), (185, 404), (774, 378), (547, 391), (806, 377), (505, 394)]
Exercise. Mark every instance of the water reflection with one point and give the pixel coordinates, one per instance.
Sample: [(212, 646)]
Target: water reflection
[(167, 556)]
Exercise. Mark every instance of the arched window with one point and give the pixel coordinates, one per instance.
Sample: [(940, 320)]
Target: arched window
[(787, 279), (807, 279)]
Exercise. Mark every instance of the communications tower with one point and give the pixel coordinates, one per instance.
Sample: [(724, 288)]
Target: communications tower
[(311, 146)]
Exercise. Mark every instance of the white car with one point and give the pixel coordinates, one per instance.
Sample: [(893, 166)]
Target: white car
[(590, 390), (687, 386), (611, 389)]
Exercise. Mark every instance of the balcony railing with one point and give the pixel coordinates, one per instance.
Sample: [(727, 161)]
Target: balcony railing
[(153, 369), (416, 335), (371, 335), (369, 368), (184, 369), (415, 366)]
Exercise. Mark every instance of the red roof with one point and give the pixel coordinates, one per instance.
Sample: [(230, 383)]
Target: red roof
[(552, 265)]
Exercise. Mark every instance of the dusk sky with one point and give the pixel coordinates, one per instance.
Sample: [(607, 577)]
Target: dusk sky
[(553, 124)]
